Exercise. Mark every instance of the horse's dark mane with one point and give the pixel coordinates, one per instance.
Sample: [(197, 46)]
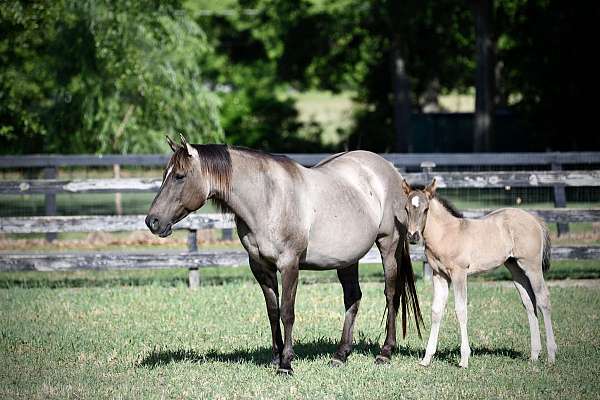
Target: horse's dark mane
[(451, 208), (215, 161)]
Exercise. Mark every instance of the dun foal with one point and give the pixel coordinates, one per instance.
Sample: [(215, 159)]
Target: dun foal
[(457, 247)]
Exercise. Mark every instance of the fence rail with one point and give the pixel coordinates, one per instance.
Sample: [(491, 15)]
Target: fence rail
[(398, 159), (195, 260), (488, 179), (197, 221)]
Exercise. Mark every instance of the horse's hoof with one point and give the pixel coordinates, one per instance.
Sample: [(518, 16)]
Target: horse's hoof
[(379, 360), (424, 363), (464, 365), (275, 361), (335, 363), (285, 371)]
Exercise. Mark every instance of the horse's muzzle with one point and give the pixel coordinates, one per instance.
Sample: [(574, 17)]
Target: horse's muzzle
[(413, 238), (153, 223)]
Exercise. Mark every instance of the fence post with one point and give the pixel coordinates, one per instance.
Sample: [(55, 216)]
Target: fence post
[(560, 201), (194, 273), (118, 202), (50, 200), (426, 167)]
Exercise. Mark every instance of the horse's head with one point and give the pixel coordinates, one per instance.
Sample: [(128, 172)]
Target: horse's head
[(184, 189), (416, 209)]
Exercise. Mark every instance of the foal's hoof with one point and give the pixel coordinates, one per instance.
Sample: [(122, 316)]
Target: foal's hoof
[(335, 363), (285, 371), (379, 360)]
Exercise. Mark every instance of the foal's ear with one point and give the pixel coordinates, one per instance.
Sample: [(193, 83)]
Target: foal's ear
[(430, 189), (406, 187), (174, 146), (191, 150)]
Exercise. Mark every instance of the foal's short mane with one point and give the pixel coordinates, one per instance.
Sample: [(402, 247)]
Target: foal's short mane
[(455, 212)]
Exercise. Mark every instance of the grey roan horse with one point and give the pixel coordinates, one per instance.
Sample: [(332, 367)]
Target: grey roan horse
[(290, 218)]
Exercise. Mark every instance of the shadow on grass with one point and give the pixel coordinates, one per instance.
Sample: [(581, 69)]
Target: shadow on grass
[(452, 356), (322, 347)]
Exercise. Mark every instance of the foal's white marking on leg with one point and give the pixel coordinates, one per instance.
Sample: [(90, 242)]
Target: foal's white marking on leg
[(415, 202)]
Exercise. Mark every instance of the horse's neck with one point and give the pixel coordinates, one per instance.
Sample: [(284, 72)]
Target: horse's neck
[(440, 223), (247, 187)]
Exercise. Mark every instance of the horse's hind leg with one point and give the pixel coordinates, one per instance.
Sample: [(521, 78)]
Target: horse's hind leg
[(387, 247), (349, 279), (542, 296), (529, 302), (267, 278)]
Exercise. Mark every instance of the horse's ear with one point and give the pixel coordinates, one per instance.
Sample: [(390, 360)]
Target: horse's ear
[(430, 189), (174, 146), (191, 150), (406, 187)]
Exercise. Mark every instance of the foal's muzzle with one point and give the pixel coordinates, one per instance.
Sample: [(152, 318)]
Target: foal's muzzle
[(413, 238)]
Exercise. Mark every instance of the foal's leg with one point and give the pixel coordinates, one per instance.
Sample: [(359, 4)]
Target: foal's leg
[(459, 283), (387, 247), (267, 278), (349, 279), (528, 298), (542, 296), (440, 297), (288, 266)]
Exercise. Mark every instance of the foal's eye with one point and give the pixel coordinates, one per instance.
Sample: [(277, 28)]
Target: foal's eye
[(179, 177)]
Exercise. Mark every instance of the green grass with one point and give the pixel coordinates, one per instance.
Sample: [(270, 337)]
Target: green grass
[(160, 340)]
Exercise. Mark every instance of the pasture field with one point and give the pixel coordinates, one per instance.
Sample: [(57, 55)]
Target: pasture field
[(154, 338)]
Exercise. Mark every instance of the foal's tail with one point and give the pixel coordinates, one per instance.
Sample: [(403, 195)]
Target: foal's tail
[(406, 293), (546, 246)]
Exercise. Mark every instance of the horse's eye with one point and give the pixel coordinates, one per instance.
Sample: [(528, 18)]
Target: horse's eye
[(179, 177)]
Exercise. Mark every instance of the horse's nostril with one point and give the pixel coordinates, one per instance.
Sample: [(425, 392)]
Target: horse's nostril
[(152, 223)]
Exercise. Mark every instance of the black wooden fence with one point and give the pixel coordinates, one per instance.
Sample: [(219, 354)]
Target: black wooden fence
[(550, 170)]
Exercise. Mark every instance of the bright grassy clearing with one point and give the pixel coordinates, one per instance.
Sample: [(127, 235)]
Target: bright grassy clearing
[(153, 341)]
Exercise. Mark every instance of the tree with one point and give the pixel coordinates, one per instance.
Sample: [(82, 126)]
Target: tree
[(102, 77)]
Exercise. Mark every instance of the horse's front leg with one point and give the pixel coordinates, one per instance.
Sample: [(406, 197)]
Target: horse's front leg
[(267, 278), (438, 304), (288, 266), (459, 283)]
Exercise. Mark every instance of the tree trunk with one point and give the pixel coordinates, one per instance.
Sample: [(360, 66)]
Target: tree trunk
[(484, 76), (402, 106)]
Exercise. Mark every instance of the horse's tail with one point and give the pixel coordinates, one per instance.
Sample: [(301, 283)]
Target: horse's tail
[(406, 292), (546, 246)]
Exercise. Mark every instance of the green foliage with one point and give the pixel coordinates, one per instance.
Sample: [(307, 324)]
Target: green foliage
[(107, 77), (350, 45)]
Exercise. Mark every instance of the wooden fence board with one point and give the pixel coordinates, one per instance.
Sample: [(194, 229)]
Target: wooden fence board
[(107, 223), (195, 221), (399, 159), (103, 261), (486, 179)]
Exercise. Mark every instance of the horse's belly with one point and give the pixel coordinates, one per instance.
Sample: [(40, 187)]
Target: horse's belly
[(334, 245)]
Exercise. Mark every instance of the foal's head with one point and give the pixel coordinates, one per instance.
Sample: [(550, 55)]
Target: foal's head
[(193, 175), (416, 208)]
